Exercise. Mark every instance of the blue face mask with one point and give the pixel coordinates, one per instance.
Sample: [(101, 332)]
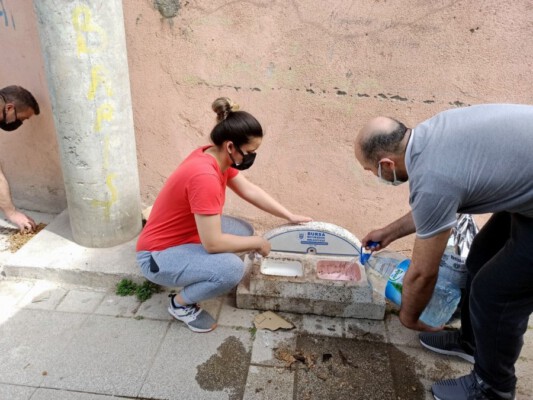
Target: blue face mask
[(395, 182)]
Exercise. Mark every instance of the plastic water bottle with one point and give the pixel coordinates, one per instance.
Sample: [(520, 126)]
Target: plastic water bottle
[(453, 261), (386, 273), (453, 268)]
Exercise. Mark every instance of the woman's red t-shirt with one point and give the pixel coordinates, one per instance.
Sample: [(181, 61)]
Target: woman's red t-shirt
[(197, 186)]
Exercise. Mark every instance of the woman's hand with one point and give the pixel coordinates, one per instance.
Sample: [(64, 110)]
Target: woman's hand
[(298, 219), (265, 247)]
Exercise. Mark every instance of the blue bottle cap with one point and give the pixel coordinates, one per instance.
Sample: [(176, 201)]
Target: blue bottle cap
[(365, 254)]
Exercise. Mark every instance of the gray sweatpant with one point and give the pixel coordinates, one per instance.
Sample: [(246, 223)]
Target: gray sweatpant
[(202, 275)]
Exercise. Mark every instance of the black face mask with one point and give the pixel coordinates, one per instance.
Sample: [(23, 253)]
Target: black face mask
[(11, 126), (247, 160)]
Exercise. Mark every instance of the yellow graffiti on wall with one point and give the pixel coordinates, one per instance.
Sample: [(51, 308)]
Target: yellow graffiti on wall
[(99, 77), (109, 183), (92, 39), (106, 204), (83, 25), (103, 113)]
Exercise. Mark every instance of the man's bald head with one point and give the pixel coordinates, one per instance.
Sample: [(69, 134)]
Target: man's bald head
[(381, 135)]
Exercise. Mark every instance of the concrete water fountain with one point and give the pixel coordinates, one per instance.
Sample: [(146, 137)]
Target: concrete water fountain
[(312, 268)]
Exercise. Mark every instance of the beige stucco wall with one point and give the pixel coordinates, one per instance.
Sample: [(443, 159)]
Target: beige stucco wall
[(29, 156), (312, 72)]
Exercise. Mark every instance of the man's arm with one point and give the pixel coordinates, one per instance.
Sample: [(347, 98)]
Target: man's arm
[(420, 279), (401, 227), (24, 223)]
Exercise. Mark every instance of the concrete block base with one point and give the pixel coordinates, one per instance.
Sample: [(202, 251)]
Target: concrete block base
[(309, 293), (53, 255)]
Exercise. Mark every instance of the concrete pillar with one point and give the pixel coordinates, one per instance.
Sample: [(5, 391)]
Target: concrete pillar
[(84, 49)]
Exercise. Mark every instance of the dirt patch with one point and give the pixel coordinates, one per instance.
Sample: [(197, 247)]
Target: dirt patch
[(16, 239), (227, 370), (406, 382), (340, 368)]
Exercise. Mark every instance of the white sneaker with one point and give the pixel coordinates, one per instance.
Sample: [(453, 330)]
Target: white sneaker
[(195, 318)]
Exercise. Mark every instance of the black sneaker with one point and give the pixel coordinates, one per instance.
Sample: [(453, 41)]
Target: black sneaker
[(445, 342), (468, 387)]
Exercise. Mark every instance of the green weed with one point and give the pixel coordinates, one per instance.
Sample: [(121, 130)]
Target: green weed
[(252, 331), (144, 291), (126, 287)]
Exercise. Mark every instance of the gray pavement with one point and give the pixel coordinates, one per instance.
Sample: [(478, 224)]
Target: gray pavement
[(80, 341)]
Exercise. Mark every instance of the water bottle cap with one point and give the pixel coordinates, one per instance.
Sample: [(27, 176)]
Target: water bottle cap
[(365, 254)]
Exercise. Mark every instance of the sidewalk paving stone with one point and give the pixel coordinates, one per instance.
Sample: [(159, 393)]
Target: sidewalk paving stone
[(44, 295), (82, 301), (365, 329), (155, 308), (118, 306), (192, 366), (266, 383), (267, 342), (11, 292), (322, 325), (213, 306), (236, 317), (13, 392), (106, 355), (53, 394), (398, 335), (31, 342)]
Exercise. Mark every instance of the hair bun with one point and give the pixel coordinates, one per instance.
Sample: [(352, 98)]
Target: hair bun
[(223, 106)]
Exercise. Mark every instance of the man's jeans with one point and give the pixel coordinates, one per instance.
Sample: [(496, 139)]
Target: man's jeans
[(499, 297)]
